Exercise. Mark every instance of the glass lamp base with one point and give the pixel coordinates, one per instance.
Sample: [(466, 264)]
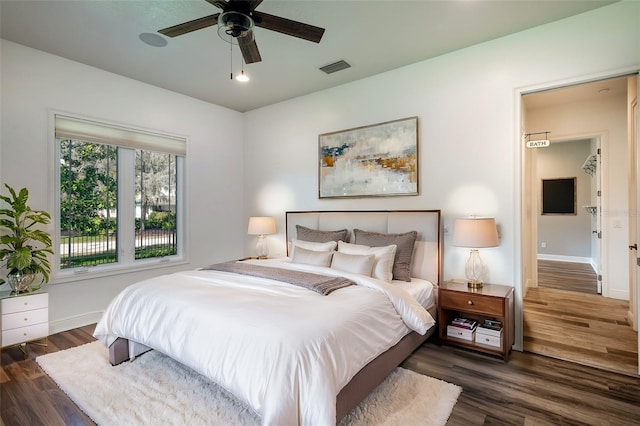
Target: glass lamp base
[(261, 248), (474, 270)]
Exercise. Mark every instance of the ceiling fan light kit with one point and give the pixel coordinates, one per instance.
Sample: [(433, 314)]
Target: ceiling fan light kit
[(232, 25)]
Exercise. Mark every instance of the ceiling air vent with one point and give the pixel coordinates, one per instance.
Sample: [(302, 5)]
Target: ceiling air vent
[(336, 66)]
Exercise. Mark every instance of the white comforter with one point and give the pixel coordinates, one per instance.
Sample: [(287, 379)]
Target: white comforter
[(284, 350)]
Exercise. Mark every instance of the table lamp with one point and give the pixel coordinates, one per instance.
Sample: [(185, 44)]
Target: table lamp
[(475, 233), (261, 226)]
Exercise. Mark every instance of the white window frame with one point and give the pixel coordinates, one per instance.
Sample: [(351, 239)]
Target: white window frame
[(126, 209)]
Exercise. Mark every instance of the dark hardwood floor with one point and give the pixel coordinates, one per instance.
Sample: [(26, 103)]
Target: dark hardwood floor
[(528, 390), (27, 395)]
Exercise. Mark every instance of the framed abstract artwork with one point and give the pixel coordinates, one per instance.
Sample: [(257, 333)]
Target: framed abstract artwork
[(370, 161)]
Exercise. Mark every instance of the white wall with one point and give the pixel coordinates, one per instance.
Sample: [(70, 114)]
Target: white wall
[(566, 236), (605, 118), (35, 83), (468, 108)]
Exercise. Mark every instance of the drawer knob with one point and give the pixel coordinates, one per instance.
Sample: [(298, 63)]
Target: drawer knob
[(470, 302), (26, 319), (24, 334), (26, 303)]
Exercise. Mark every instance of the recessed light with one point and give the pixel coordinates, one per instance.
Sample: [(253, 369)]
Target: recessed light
[(153, 39)]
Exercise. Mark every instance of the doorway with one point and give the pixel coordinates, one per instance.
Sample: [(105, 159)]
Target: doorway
[(559, 322)]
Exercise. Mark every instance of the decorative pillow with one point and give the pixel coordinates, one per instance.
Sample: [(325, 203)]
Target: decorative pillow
[(312, 257), (383, 264), (355, 263), (317, 236), (404, 253), (309, 245)]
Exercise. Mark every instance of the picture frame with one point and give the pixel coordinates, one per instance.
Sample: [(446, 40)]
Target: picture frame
[(559, 196), (369, 161)]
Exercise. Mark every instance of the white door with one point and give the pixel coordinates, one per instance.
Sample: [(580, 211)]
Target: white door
[(634, 203), (598, 230)]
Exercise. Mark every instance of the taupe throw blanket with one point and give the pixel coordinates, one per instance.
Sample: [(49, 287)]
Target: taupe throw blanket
[(322, 284)]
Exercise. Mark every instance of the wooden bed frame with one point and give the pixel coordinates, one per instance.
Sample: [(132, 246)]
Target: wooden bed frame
[(426, 264)]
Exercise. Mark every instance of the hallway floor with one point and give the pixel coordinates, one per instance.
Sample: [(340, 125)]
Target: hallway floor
[(580, 327)]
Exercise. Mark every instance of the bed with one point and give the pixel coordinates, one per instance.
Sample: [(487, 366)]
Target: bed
[(292, 355)]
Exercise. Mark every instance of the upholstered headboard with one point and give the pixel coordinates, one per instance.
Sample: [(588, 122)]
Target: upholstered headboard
[(426, 263)]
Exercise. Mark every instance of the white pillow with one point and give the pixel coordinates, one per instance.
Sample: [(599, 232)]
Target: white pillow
[(383, 265), (355, 263), (309, 245), (312, 257)]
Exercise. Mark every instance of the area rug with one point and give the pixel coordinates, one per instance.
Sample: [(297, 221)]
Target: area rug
[(154, 389)]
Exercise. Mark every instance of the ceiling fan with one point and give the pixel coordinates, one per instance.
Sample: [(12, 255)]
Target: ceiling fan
[(236, 23)]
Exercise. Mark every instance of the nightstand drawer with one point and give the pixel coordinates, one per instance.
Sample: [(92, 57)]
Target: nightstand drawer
[(24, 303), (471, 302), (24, 319), (24, 334)]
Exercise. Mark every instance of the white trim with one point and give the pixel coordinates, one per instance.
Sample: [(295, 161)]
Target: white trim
[(70, 323), (78, 274), (562, 258)]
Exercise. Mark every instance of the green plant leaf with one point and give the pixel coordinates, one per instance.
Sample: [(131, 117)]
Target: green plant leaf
[(19, 259), (17, 248)]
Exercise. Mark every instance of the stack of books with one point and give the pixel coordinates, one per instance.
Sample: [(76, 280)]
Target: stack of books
[(490, 333), (462, 328)]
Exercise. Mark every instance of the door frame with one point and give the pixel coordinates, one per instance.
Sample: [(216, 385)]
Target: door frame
[(633, 123), (525, 241)]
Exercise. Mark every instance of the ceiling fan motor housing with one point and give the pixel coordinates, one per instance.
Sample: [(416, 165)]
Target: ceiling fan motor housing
[(234, 25)]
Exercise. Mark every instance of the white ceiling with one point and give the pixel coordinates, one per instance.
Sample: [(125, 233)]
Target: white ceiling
[(593, 90), (373, 36)]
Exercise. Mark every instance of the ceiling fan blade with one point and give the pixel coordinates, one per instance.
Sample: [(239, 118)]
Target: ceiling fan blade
[(287, 26), (254, 3), (244, 6), (222, 4), (249, 49), (187, 27)]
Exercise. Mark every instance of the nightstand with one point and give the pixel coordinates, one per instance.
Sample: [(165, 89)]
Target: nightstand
[(24, 318), (491, 302)]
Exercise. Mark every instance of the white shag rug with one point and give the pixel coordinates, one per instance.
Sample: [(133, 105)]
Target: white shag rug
[(154, 389)]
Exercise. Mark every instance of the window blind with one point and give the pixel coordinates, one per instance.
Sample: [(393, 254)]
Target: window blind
[(90, 131)]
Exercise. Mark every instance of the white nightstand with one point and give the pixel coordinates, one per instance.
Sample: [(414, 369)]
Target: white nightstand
[(23, 318)]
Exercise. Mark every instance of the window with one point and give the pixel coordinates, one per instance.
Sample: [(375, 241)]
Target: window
[(119, 196)]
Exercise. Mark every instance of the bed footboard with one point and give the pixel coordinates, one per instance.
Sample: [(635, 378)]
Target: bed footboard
[(119, 351)]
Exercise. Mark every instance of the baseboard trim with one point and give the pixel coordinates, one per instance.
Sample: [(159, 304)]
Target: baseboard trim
[(561, 258), (618, 294), (70, 323)]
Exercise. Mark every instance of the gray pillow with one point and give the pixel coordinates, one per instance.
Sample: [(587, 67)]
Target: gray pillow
[(306, 234), (404, 253)]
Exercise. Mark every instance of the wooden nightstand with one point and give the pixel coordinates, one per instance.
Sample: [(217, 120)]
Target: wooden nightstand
[(489, 302)]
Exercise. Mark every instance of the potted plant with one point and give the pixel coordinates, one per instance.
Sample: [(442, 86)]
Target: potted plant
[(23, 247)]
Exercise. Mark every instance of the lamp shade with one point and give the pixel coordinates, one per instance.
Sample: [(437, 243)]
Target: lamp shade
[(261, 225), (475, 233)]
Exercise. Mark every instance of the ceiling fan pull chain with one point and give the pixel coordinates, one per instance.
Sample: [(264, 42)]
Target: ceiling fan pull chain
[(231, 61)]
